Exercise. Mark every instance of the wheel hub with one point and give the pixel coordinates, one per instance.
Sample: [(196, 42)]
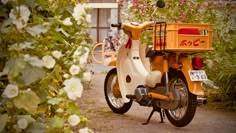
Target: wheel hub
[(116, 90), (183, 99)]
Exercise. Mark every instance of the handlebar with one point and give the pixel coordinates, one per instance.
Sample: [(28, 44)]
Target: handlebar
[(116, 25)]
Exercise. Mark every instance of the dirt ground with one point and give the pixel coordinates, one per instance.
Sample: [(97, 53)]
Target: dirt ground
[(103, 120)]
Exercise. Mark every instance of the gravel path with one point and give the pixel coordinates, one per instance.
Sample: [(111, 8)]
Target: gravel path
[(103, 120)]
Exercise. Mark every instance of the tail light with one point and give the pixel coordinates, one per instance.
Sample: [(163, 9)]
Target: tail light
[(197, 63)]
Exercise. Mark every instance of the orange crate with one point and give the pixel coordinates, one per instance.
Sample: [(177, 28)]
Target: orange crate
[(184, 37)]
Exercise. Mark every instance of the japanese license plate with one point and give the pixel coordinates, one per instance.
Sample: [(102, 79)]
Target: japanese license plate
[(197, 75)]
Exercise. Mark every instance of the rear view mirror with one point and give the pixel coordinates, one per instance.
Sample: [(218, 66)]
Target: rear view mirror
[(160, 4)]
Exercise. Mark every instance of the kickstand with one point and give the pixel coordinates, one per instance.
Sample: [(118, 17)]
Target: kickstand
[(162, 115)]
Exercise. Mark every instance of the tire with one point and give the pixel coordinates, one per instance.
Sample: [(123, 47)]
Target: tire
[(189, 105), (115, 103)]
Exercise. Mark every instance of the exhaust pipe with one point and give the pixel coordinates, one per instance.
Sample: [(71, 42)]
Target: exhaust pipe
[(201, 100)]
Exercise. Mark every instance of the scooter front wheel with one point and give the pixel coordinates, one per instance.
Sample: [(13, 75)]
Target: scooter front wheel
[(113, 95), (184, 114)]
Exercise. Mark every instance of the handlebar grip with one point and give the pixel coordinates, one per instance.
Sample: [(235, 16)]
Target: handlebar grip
[(116, 25)]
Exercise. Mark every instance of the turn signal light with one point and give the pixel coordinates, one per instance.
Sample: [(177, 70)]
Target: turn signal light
[(197, 63)]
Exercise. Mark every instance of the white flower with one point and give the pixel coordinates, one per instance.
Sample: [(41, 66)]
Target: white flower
[(34, 61), (87, 76), (57, 54), (26, 57), (13, 46), (74, 69), (63, 32), (87, 6), (88, 18), (25, 45), (83, 59), (10, 91), (77, 51), (74, 120), (67, 22), (78, 11), (22, 123), (37, 30), (74, 60), (48, 61), (73, 88), (84, 130), (4, 1), (79, 21), (86, 50), (66, 75), (28, 90), (60, 110), (20, 16)]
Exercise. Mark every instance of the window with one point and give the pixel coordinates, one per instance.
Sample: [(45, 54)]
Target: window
[(101, 21)]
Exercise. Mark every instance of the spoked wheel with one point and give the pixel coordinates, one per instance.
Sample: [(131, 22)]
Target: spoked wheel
[(184, 114), (113, 95)]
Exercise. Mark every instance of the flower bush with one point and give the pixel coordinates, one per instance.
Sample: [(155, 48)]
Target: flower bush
[(220, 63), (43, 53)]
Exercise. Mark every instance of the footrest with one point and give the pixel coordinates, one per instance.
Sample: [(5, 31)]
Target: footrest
[(129, 96)]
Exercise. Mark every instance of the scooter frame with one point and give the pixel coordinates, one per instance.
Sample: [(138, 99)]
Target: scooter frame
[(132, 72)]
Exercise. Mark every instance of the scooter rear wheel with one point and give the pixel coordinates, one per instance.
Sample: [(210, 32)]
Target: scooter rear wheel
[(114, 100), (184, 114)]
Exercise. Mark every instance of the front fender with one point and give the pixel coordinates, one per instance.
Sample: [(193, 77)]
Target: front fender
[(112, 63), (194, 86)]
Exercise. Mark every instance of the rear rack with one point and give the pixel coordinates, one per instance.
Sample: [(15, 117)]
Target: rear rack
[(161, 35)]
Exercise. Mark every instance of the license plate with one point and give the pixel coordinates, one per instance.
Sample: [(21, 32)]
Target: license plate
[(197, 75)]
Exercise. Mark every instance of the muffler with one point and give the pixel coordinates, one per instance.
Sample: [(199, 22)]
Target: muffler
[(201, 100)]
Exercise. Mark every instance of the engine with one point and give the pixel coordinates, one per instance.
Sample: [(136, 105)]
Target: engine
[(141, 94)]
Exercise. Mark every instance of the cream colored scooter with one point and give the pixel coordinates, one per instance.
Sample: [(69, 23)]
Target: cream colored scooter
[(170, 87)]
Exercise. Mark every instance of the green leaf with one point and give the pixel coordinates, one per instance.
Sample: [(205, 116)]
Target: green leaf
[(3, 11), (73, 108), (37, 127), (56, 122), (52, 89), (3, 121), (31, 74), (31, 3), (13, 67), (42, 94), (68, 131), (83, 120), (58, 71), (5, 26), (28, 101), (61, 92), (54, 101)]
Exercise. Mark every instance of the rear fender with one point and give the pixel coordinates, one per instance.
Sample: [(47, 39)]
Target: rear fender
[(194, 86)]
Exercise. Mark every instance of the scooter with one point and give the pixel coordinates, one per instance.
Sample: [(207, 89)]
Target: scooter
[(164, 76)]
